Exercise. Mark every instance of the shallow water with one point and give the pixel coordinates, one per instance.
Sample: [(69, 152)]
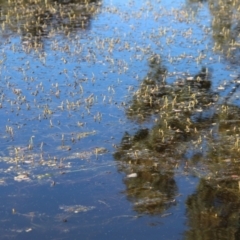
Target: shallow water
[(119, 120)]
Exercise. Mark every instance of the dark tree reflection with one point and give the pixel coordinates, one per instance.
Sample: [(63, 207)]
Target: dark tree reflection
[(154, 188), (154, 154), (213, 211), (225, 26), (194, 130), (37, 19)]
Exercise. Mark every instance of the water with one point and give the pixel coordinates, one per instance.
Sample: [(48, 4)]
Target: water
[(119, 120)]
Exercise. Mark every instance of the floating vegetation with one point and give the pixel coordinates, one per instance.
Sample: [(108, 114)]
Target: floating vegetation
[(22, 230), (41, 19), (153, 85), (42, 176), (2, 182), (85, 134), (22, 177), (76, 208)]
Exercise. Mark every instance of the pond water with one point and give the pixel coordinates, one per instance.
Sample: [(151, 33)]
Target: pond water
[(119, 119)]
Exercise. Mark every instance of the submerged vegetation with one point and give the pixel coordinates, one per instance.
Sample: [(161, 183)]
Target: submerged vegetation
[(84, 83)]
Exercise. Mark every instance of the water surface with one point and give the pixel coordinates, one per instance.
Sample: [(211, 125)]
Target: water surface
[(119, 119)]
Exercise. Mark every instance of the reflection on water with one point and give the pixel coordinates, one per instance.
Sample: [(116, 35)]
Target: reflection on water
[(153, 154), (100, 128), (192, 128), (149, 181), (37, 19), (225, 26), (213, 210)]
